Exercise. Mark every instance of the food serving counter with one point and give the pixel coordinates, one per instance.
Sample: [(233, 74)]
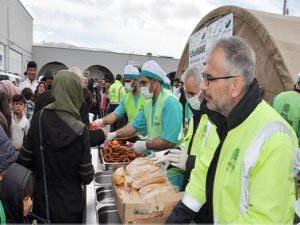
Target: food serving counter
[(100, 202)]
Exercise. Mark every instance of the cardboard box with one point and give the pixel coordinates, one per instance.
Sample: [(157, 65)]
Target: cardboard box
[(150, 211)]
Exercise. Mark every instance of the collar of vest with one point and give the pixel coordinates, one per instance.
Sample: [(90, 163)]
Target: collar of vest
[(195, 112), (245, 107), (216, 118)]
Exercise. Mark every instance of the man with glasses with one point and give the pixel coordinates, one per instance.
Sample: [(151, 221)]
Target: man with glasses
[(160, 117), (131, 104), (248, 179), (200, 126)]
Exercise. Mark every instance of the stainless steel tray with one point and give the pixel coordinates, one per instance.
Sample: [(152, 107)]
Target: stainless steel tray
[(109, 163)]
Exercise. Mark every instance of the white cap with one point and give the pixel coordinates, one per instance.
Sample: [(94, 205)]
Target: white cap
[(153, 70), (298, 81), (167, 81), (77, 71), (131, 72)]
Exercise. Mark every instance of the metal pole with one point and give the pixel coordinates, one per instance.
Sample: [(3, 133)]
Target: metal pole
[(284, 7), (7, 43)]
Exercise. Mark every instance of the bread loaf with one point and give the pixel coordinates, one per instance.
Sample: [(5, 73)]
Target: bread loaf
[(134, 195), (145, 181), (151, 187), (162, 190), (143, 171), (137, 163), (118, 176)]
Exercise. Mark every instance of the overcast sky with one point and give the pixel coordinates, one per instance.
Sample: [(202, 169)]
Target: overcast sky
[(138, 26)]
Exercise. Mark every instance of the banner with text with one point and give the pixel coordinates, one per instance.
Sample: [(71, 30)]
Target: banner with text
[(200, 41)]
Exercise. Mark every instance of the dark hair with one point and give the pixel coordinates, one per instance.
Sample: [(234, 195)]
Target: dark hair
[(41, 82), (3, 123), (31, 64), (19, 98), (119, 77), (48, 75), (30, 186), (5, 110), (176, 79), (27, 93)]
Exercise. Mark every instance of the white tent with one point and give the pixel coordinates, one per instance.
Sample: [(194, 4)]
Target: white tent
[(274, 38)]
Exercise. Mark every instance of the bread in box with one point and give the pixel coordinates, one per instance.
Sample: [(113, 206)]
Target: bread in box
[(141, 179)]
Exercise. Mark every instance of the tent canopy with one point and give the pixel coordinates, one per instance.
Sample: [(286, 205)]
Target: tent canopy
[(275, 40)]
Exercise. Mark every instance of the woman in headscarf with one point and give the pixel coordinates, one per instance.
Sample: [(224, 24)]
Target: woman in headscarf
[(5, 110), (9, 89), (8, 154), (67, 152)]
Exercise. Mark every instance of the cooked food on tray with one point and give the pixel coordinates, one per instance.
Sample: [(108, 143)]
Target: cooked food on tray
[(117, 151)]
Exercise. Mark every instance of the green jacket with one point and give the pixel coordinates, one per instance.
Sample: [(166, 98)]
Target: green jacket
[(287, 104), (116, 92), (253, 182)]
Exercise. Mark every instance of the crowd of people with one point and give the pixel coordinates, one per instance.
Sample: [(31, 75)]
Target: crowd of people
[(222, 144)]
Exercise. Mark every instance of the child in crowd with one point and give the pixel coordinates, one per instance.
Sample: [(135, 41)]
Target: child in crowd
[(27, 93), (17, 188), (19, 123)]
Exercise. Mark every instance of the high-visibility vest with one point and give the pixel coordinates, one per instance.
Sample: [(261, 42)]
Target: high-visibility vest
[(131, 109), (287, 104), (116, 92), (155, 129), (253, 182)]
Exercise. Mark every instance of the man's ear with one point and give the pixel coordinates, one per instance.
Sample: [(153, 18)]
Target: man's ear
[(237, 86)]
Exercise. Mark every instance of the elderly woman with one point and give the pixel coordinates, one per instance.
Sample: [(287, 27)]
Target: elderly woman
[(67, 152)]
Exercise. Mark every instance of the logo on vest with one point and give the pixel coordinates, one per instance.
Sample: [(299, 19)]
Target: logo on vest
[(156, 121), (234, 157), (203, 131)]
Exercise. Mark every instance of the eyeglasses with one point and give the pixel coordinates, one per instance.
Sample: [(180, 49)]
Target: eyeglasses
[(207, 78)]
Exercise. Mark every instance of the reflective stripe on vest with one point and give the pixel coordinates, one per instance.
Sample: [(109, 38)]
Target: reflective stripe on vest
[(131, 109), (252, 155), (191, 202)]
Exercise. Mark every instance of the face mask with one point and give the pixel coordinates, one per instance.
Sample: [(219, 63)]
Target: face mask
[(194, 101), (146, 93), (128, 87)]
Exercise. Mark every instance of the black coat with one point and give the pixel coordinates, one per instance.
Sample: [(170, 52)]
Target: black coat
[(97, 137), (68, 166), (12, 192)]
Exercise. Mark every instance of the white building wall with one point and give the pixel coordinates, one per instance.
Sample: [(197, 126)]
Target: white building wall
[(16, 35), (115, 62)]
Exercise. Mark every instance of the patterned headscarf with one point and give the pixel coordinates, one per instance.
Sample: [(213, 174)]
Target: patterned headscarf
[(9, 89)]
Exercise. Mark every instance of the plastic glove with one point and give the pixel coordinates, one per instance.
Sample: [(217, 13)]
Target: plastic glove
[(110, 136), (139, 146), (178, 158), (159, 157), (98, 122)]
